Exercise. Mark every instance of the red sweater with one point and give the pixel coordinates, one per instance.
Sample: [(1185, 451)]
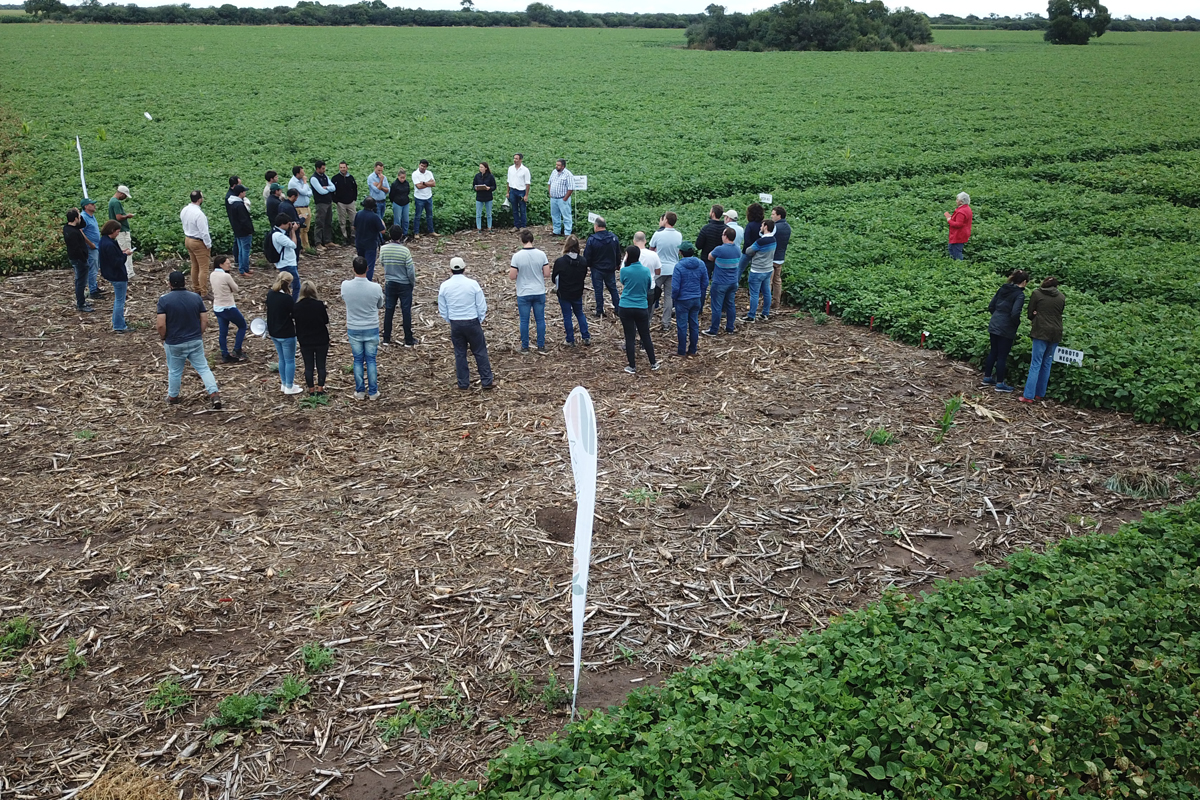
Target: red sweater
[(960, 225)]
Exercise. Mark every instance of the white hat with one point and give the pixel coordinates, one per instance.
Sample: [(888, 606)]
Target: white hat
[(730, 214), (123, 189), (457, 264)]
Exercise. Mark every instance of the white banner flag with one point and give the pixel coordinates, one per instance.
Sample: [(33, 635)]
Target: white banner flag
[(581, 434), (82, 180)]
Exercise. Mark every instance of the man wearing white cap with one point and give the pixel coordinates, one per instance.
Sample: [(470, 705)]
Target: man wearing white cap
[(116, 211), (731, 222), (462, 304)]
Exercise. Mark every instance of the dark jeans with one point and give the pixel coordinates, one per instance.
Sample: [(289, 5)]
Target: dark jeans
[(225, 318), (997, 357), (636, 322), (956, 251), (466, 333), (687, 324), (425, 207), (324, 230), (394, 291), (370, 254), (516, 199), (722, 295), (81, 276), (600, 279), (576, 307), (314, 357), (243, 244)]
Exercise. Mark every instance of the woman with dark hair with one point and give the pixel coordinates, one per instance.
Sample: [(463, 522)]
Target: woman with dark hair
[(635, 310), (224, 306), (485, 186), (312, 334), (1046, 313), (569, 274), (754, 219), (77, 254), (112, 267), (281, 325), (1006, 309)]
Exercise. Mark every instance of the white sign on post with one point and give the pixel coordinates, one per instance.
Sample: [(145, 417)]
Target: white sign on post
[(580, 184), (593, 217), (1065, 355), (763, 197), (580, 416)]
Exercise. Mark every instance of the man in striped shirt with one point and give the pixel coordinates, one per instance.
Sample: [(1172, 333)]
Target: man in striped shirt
[(399, 278), (562, 185)]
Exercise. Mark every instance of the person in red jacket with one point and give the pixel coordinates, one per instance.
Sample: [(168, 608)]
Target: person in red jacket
[(960, 225)]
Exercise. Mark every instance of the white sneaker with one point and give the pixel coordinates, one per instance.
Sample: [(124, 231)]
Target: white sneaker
[(293, 389), (360, 395), (374, 396)]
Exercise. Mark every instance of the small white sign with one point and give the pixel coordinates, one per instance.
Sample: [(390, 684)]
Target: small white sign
[(1065, 355), (593, 217), (764, 198), (580, 184)]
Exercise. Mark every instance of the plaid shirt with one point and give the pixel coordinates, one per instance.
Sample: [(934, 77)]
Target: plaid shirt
[(561, 183)]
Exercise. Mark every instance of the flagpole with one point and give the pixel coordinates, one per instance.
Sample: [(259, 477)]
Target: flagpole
[(580, 417), (82, 179)]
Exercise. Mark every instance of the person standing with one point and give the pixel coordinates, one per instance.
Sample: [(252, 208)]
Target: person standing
[(180, 324), (198, 242), (562, 186), (665, 242), (650, 260), (602, 254), (346, 196), (760, 257), (302, 201), (960, 227), (530, 268), (281, 325), (91, 232), (569, 274), (1046, 313), (237, 208), (312, 334), (783, 235), (271, 176), (283, 239), (112, 267), (323, 192), (634, 310), (363, 300), (225, 309), (689, 284), (77, 254), (710, 235), (462, 304), (485, 191), (274, 200), (754, 221), (116, 212), (368, 231), (377, 189), (1006, 308), (287, 207), (423, 183), (518, 191), (399, 194), (399, 280), (723, 286), (730, 220)]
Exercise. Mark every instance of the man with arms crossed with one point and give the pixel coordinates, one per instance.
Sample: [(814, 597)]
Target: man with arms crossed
[(302, 201), (783, 235), (346, 196), (323, 191), (518, 191), (603, 255), (562, 186)]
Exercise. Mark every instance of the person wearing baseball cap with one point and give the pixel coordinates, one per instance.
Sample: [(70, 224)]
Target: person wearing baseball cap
[(180, 323), (91, 232), (462, 304), (116, 211), (730, 218)]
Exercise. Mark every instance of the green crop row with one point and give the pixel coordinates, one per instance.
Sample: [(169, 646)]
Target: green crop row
[(1074, 672)]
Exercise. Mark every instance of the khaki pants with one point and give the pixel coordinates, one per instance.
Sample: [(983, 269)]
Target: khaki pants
[(346, 221), (126, 243), (777, 285), (305, 215), (198, 253)]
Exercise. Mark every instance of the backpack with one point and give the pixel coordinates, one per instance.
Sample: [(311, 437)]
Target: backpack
[(269, 249)]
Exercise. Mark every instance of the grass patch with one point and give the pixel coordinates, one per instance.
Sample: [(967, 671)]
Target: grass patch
[(880, 437), (16, 635), (950, 410), (74, 662), (316, 658), (168, 697), (85, 435), (241, 712), (641, 495), (1140, 482)]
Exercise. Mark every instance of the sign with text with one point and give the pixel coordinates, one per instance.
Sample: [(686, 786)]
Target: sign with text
[(763, 197), (1065, 355), (593, 217), (580, 184)]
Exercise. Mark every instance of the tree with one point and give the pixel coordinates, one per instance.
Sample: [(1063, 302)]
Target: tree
[(467, 5), (1076, 21), (43, 8)]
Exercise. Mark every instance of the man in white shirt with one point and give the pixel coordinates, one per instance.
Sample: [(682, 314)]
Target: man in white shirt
[(462, 304), (423, 183), (665, 242), (304, 194), (518, 191), (198, 242), (562, 186)]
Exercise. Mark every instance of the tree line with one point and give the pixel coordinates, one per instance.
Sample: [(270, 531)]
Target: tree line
[(812, 25), (1038, 22)]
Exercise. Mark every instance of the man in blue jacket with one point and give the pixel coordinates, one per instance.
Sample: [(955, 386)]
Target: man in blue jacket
[(602, 254), (689, 284)]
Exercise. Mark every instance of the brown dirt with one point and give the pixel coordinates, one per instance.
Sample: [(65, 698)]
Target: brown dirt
[(427, 536)]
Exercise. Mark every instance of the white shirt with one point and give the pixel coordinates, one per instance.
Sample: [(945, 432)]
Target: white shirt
[(195, 224), (519, 177), (460, 298), (422, 176), (652, 262), (666, 243)]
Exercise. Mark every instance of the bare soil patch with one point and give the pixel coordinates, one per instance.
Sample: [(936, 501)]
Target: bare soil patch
[(426, 537)]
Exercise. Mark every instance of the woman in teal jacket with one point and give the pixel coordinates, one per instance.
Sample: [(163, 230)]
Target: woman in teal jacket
[(634, 310)]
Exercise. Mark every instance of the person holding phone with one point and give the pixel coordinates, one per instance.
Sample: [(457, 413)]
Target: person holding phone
[(485, 187)]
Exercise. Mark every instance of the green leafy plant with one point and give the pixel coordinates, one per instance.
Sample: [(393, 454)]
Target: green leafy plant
[(881, 436), (520, 687), (16, 634), (85, 435), (314, 400), (554, 694), (947, 421), (241, 711), (74, 662), (820, 318), (169, 697), (291, 691), (641, 495), (316, 657), (629, 655)]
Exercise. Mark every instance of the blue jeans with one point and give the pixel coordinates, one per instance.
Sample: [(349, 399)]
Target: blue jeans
[(286, 349), (180, 354), (516, 199), (536, 303), (395, 292), (480, 207), (956, 251), (722, 301), (464, 333), (602, 278), (423, 207), (400, 217), (687, 324), (81, 276), (93, 278), (1040, 362), (225, 318), (243, 253), (118, 315), (364, 344), (760, 284), (574, 307), (370, 253), (295, 280), (560, 215)]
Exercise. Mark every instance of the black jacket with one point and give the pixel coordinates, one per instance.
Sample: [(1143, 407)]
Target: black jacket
[(326, 183), (112, 261), (1006, 311), (239, 218), (77, 249), (286, 207), (272, 209), (312, 323), (603, 251), (280, 323), (398, 193), (484, 180), (347, 188), (570, 272), (709, 237)]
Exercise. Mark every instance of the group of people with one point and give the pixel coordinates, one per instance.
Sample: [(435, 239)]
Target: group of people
[(1046, 329)]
